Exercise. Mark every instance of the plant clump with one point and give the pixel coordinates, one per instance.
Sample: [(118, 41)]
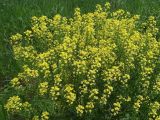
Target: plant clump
[(100, 65)]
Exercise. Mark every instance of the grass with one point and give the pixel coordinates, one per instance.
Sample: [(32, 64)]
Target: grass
[(15, 17)]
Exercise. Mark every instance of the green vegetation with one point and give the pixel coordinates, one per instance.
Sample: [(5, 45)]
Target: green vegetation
[(15, 17)]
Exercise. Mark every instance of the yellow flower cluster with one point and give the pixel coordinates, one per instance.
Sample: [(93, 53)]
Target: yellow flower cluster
[(15, 82), (55, 90), (156, 86), (106, 93), (154, 108), (92, 65), (16, 38), (15, 104), (138, 103), (70, 95), (89, 106), (35, 117), (26, 106), (24, 78), (44, 116), (43, 88), (116, 108), (80, 109)]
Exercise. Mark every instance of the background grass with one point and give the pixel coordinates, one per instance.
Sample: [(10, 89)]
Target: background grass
[(15, 17)]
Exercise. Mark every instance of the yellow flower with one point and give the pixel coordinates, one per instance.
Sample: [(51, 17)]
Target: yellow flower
[(154, 107), (116, 108), (16, 38), (45, 116), (138, 103), (69, 94), (28, 34), (55, 92), (57, 79), (107, 6), (35, 117), (15, 82), (43, 88), (13, 104), (26, 106), (80, 109), (89, 106), (94, 94)]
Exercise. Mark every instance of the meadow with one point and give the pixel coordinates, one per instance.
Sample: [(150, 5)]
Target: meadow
[(18, 16)]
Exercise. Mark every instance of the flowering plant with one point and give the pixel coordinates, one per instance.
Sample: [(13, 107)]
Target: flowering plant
[(101, 65)]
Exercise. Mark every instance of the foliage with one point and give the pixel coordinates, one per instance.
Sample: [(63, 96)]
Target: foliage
[(99, 65)]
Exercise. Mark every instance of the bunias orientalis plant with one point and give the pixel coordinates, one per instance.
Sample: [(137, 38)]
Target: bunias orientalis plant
[(101, 65)]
